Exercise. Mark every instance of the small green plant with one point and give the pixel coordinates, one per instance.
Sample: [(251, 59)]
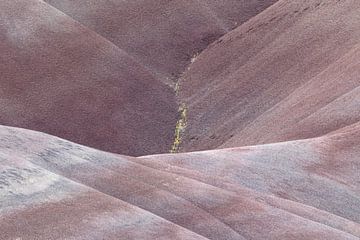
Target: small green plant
[(177, 88), (193, 59), (179, 129)]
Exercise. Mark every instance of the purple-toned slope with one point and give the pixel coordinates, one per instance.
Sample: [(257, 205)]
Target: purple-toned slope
[(59, 77), (102, 83), (286, 79), (54, 189), (164, 34), (327, 102), (288, 73)]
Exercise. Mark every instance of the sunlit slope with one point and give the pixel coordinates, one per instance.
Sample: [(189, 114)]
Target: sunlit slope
[(319, 172), (325, 103), (288, 73), (54, 189)]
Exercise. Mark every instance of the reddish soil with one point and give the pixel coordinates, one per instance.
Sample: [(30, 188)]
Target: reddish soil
[(268, 89), (162, 35), (59, 77), (289, 73), (101, 73), (54, 189)]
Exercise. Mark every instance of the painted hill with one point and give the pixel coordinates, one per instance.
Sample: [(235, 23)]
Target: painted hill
[(163, 35), (263, 97), (105, 87), (289, 73), (59, 77), (54, 189)]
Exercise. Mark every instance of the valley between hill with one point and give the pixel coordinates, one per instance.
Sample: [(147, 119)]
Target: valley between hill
[(258, 102)]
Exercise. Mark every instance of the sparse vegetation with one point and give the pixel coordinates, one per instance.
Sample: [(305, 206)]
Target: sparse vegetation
[(179, 129), (193, 59), (182, 122), (177, 88)]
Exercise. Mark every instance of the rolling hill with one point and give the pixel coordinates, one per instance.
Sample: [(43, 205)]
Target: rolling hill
[(59, 77), (54, 189), (263, 97), (289, 73)]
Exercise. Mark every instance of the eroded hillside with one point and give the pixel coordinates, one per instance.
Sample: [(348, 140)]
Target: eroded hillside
[(268, 89), (289, 73), (53, 189), (102, 73)]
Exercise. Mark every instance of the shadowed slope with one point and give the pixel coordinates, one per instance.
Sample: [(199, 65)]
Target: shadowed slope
[(61, 78), (164, 34), (220, 194), (289, 73)]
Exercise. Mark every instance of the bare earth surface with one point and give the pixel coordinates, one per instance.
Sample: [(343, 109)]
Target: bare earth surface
[(289, 73), (270, 99), (59, 77), (306, 189), (110, 69)]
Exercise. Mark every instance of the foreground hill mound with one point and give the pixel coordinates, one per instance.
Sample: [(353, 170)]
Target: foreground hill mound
[(54, 189), (59, 77), (289, 73)]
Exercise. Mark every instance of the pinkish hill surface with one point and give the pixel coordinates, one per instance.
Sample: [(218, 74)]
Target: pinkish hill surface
[(104, 77), (270, 90), (54, 189), (163, 35), (289, 73), (59, 77)]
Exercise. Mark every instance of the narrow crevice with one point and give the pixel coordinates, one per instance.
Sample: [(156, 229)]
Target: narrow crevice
[(181, 123)]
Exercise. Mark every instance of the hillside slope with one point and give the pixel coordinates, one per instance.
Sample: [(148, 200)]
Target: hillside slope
[(279, 93), (101, 84), (288, 73), (59, 77), (163, 35), (54, 189)]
